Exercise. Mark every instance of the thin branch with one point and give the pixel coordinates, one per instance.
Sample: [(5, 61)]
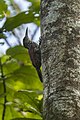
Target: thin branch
[(4, 87), (18, 39), (7, 43)]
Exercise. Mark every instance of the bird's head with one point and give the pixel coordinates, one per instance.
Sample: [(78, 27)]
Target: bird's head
[(26, 41)]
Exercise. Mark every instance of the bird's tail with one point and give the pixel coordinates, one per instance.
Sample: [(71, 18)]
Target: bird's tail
[(39, 74)]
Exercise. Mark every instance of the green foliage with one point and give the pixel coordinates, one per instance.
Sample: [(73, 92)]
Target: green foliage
[(3, 9), (24, 89)]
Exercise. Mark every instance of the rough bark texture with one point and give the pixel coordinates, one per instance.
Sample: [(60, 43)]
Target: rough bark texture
[(60, 48)]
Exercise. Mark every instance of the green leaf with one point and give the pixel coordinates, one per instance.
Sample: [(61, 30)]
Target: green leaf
[(30, 99), (11, 113), (19, 53), (10, 66), (5, 58), (35, 6), (19, 19), (3, 8), (25, 78)]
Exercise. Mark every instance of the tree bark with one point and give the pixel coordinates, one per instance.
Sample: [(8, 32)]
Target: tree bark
[(60, 49)]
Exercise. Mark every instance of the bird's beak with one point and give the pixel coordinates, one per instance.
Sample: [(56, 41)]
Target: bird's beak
[(26, 32)]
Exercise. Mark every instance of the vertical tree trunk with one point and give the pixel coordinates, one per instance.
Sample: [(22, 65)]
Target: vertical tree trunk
[(60, 47)]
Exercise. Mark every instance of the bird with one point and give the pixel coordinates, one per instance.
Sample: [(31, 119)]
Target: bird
[(34, 53)]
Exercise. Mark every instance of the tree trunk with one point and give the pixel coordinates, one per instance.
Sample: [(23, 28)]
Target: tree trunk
[(60, 49)]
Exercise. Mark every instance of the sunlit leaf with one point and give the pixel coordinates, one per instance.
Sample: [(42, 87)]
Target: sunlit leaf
[(11, 113), (25, 77), (33, 116), (29, 97), (5, 58)]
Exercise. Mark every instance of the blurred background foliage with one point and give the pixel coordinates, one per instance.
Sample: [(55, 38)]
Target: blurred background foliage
[(20, 88)]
